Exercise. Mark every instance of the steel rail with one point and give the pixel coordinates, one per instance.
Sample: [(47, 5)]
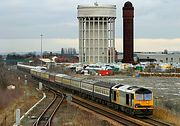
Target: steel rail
[(48, 123), (107, 112), (54, 112), (155, 122)]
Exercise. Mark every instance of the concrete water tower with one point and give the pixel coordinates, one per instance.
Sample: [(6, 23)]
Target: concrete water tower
[(96, 33)]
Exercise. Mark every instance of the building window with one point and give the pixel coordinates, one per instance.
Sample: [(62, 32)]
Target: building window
[(171, 59), (179, 60), (166, 60)]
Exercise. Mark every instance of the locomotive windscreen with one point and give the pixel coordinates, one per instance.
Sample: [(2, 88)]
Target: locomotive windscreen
[(143, 91), (143, 94)]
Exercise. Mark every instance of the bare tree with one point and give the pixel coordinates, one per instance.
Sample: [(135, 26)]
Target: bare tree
[(3, 77)]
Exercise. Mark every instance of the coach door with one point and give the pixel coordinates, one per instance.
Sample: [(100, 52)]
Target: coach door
[(129, 99), (132, 100), (116, 96)]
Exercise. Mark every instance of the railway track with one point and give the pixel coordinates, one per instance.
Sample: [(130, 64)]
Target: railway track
[(118, 116), (46, 116), (112, 114), (155, 122)]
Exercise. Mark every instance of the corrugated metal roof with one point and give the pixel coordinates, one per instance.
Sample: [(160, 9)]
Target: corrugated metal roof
[(90, 81), (76, 79), (61, 75), (67, 77), (47, 60), (105, 84)]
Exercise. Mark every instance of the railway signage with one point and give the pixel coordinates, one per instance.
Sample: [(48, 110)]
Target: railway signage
[(69, 97), (25, 82), (17, 117), (40, 86)]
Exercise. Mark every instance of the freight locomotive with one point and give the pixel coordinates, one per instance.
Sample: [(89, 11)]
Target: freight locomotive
[(133, 100)]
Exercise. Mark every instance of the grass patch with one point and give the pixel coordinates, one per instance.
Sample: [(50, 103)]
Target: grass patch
[(167, 116)]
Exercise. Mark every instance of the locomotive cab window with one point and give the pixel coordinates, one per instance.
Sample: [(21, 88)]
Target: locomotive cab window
[(114, 95), (132, 99), (132, 96), (143, 96), (147, 96), (127, 99), (139, 96)]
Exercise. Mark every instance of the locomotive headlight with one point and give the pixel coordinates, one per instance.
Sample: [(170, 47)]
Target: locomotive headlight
[(137, 105)]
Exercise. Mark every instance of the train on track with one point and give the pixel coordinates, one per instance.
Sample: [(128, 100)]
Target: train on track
[(133, 100)]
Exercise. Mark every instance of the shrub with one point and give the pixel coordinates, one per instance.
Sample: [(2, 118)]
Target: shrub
[(3, 79)]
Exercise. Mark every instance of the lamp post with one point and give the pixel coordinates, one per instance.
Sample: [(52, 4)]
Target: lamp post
[(41, 49)]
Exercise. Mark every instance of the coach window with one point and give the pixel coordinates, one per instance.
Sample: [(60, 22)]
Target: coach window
[(166, 60), (107, 92), (171, 59)]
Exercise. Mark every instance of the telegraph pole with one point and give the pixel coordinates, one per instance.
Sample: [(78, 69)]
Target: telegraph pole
[(41, 49)]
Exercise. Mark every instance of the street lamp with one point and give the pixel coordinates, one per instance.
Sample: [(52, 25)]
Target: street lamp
[(41, 49)]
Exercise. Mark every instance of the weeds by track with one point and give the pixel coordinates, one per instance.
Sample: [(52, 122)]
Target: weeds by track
[(118, 116), (114, 115)]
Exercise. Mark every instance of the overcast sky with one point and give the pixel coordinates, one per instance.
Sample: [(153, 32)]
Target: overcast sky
[(157, 24)]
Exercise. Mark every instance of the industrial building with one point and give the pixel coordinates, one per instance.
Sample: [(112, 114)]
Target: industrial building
[(159, 57), (96, 33)]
